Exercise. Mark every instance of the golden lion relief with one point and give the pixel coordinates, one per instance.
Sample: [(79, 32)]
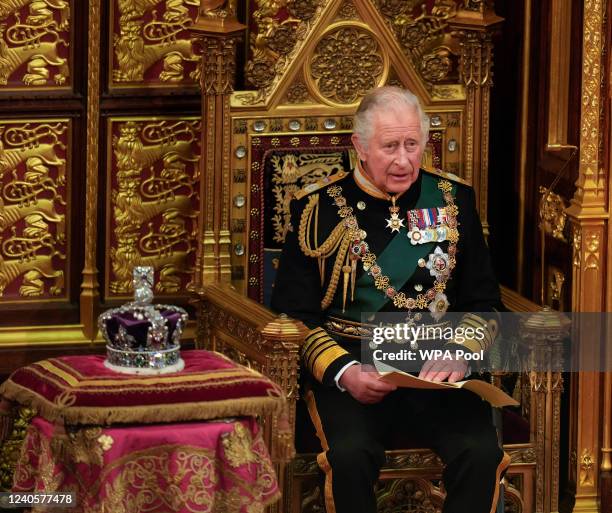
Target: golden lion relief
[(36, 40), (140, 44), (32, 209), (152, 204)]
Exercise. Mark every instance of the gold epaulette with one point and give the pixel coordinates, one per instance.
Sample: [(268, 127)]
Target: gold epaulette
[(324, 182), (448, 176)]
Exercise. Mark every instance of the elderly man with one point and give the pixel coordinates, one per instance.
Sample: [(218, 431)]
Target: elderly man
[(365, 242)]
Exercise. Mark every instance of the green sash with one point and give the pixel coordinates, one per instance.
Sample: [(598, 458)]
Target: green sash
[(398, 261)]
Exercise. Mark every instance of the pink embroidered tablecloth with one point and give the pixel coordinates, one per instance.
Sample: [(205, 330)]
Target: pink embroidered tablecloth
[(219, 466)]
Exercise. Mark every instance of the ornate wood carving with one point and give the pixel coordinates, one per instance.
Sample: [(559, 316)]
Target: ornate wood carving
[(151, 44), (545, 361), (90, 287), (397, 493), (153, 176), (347, 62), (416, 495), (245, 330), (276, 41), (552, 214), (34, 214), (35, 45), (218, 40), (476, 73), (424, 39)]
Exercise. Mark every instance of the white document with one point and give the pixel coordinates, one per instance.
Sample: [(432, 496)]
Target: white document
[(487, 391)]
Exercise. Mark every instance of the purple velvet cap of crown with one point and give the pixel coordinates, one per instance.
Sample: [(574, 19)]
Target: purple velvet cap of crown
[(137, 329)]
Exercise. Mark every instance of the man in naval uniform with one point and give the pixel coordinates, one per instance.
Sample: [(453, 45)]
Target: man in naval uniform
[(393, 237)]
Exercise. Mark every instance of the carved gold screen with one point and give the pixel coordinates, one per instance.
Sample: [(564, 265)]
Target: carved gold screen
[(99, 162), (37, 160)]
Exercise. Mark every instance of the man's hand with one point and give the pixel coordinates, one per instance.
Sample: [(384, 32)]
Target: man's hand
[(439, 370), (361, 381)]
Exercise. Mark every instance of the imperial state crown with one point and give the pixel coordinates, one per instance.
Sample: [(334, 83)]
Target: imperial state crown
[(143, 338)]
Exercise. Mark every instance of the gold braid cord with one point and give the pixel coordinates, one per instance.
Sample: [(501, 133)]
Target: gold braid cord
[(339, 240)]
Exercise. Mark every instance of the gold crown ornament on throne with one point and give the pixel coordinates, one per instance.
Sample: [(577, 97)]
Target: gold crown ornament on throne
[(143, 338)]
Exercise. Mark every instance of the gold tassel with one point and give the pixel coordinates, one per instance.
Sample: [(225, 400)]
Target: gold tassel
[(322, 270), (284, 447), (353, 277), (346, 270), (60, 441), (334, 280)]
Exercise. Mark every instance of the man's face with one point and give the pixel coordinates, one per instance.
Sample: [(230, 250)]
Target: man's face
[(392, 156)]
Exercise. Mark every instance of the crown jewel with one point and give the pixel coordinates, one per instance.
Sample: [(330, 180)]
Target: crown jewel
[(143, 338)]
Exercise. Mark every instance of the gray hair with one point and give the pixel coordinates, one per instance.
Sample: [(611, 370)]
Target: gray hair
[(385, 99)]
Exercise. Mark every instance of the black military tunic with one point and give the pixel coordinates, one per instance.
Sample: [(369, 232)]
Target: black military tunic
[(311, 289)]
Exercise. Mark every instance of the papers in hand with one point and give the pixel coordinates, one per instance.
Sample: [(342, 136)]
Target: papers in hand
[(488, 392)]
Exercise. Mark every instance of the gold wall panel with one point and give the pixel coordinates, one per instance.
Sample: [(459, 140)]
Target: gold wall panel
[(35, 44), (34, 209), (150, 44), (152, 202)]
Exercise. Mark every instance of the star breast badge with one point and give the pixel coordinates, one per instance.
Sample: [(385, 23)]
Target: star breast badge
[(395, 223)]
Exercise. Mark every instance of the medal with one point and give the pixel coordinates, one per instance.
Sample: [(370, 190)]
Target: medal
[(415, 235), (438, 264), (441, 232), (395, 223), (427, 225), (438, 306)]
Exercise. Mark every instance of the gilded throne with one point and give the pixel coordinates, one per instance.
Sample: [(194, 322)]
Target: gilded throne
[(309, 64)]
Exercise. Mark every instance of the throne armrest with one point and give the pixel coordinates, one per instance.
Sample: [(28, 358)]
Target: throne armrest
[(253, 336)]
